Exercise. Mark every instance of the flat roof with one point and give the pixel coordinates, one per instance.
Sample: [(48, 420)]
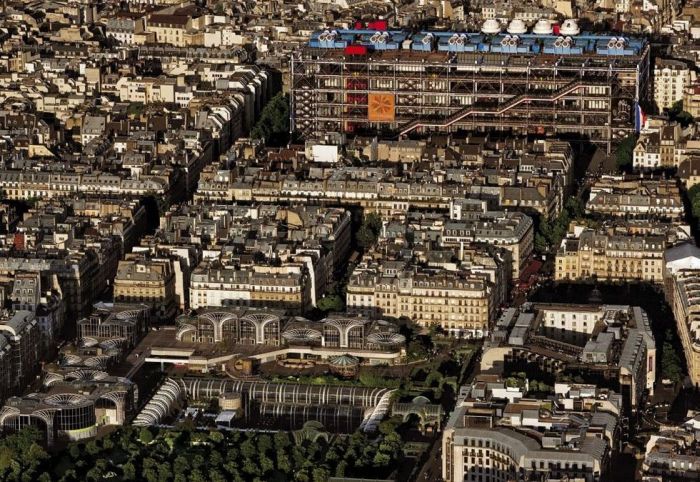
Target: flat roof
[(395, 41)]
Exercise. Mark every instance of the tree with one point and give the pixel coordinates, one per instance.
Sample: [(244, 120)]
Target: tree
[(574, 208), (74, 451), (365, 237), (145, 436), (273, 124), (216, 437), (281, 440), (250, 468), (685, 118), (623, 155), (389, 425), (676, 113), (129, 471), (374, 222), (369, 231), (283, 464), (319, 474), (670, 361), (341, 468), (331, 303), (171, 456), (676, 108), (248, 449), (541, 245)]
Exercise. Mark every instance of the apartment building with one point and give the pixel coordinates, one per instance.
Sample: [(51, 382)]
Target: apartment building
[(125, 26), (261, 240), (285, 287), (610, 256), (151, 90), (512, 231), (683, 294), (23, 185), (671, 77), (660, 148), (489, 438), (691, 100), (169, 29), (641, 198), (146, 280), (76, 273), (47, 305), (462, 303)]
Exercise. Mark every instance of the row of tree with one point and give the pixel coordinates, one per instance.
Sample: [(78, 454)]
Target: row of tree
[(551, 231), (184, 455), (273, 125)]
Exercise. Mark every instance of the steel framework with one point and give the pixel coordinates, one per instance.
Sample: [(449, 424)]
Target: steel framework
[(581, 97)]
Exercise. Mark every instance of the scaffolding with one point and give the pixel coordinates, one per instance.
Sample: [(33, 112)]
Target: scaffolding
[(587, 96)]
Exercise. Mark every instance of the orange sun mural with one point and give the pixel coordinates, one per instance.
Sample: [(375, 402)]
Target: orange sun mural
[(381, 107)]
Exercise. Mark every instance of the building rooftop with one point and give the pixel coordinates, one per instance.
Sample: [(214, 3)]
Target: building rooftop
[(398, 41)]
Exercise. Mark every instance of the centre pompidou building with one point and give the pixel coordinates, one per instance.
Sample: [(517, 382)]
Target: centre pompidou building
[(554, 80)]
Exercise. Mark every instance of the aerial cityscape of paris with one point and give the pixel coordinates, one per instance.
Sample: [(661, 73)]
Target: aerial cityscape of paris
[(349, 240)]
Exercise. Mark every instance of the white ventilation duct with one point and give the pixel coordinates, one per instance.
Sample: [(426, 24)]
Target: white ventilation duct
[(491, 27), (505, 40), (460, 40), (453, 39), (427, 39), (567, 42), (517, 27), (612, 42), (569, 27), (558, 42), (543, 27), (620, 44)]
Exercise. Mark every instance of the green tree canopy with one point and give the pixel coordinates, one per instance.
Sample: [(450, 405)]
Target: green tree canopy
[(624, 152), (331, 303), (273, 124)]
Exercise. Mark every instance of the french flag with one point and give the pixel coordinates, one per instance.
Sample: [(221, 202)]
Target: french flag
[(640, 118)]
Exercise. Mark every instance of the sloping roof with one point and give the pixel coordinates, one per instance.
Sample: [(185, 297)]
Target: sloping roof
[(682, 251)]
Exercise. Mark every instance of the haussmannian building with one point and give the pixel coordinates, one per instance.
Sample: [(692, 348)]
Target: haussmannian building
[(462, 303), (513, 231), (684, 298), (613, 257), (285, 287), (150, 281)]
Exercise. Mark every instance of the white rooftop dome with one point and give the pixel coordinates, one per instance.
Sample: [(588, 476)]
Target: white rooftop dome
[(569, 27), (543, 27), (491, 26), (517, 27)]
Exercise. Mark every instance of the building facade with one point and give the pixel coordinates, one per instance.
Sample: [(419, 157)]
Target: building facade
[(355, 80), (671, 77), (286, 287), (464, 304), (150, 281), (614, 257)]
